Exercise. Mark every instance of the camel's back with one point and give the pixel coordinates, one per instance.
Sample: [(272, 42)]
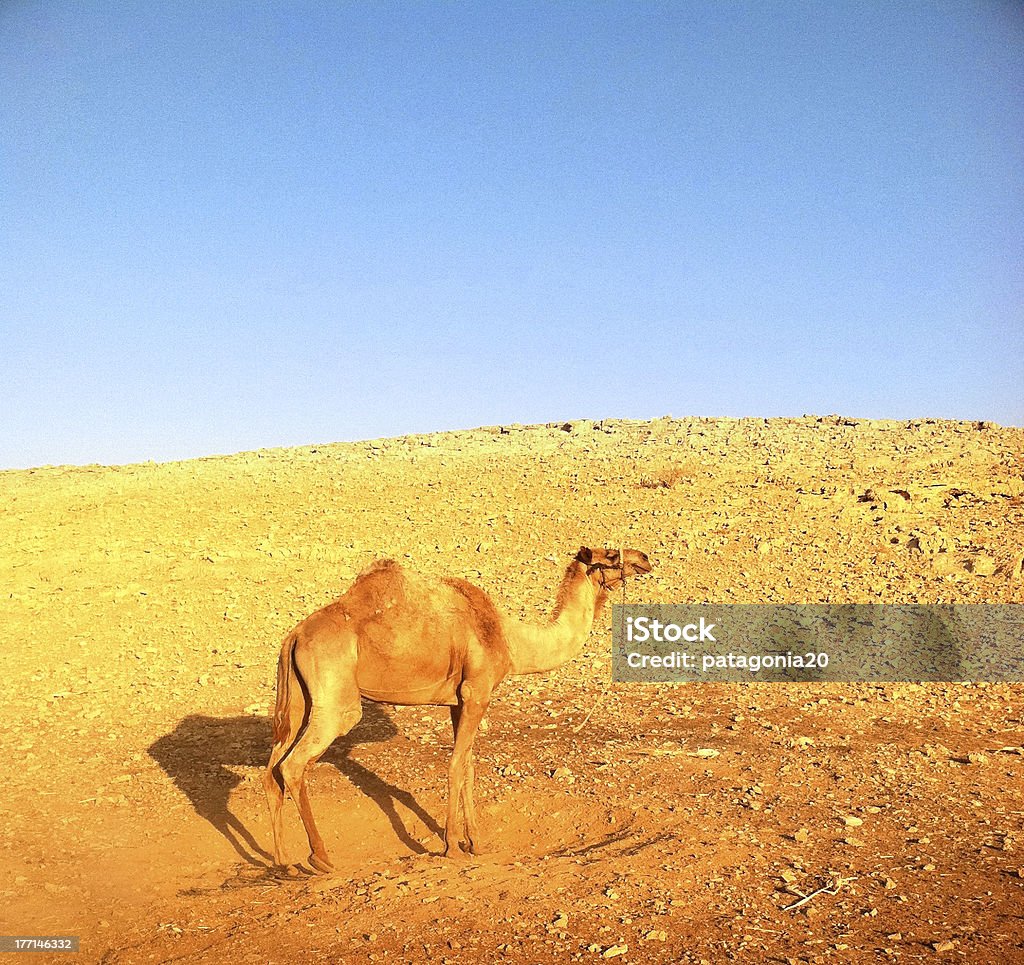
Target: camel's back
[(415, 636)]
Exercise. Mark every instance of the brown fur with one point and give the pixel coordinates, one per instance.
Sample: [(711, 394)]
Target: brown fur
[(283, 697), (487, 620), (397, 638), (574, 573)]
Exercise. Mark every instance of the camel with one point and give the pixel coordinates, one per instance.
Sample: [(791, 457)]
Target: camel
[(397, 638)]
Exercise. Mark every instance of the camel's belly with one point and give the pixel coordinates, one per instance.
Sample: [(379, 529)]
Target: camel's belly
[(389, 682), (401, 660), (409, 698)]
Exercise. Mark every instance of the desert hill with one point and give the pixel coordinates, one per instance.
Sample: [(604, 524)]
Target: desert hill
[(143, 607)]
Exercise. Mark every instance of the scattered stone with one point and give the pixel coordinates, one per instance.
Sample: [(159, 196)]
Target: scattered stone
[(981, 565)]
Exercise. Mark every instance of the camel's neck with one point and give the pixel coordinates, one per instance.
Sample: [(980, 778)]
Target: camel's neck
[(535, 649)]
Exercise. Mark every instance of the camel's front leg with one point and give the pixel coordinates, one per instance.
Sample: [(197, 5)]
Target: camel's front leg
[(465, 721), (469, 808)]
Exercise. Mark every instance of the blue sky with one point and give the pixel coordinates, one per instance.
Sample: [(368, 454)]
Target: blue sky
[(225, 226)]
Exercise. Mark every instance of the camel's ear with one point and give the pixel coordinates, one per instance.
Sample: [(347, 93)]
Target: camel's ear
[(585, 556)]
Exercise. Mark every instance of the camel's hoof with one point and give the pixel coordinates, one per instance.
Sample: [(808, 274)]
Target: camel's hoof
[(286, 871), (322, 865)]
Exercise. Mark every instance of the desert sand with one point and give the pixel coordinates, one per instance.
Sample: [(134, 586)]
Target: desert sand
[(144, 606)]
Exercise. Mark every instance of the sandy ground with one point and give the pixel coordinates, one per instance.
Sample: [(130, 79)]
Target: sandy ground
[(143, 608)]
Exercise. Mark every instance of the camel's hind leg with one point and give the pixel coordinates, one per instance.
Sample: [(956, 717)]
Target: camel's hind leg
[(275, 798), (293, 697), (327, 721), (330, 707)]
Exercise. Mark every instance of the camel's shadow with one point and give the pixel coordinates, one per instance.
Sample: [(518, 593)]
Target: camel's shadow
[(199, 753)]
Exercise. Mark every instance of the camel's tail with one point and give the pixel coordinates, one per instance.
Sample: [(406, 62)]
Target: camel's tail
[(288, 687)]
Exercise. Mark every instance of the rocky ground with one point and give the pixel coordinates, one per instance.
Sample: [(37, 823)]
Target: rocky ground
[(143, 607)]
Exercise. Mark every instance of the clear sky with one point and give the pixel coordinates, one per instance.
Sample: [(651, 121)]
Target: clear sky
[(231, 225)]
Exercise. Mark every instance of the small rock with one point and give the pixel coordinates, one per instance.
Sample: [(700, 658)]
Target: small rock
[(614, 950), (982, 565)]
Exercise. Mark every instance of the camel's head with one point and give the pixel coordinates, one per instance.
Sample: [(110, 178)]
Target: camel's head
[(611, 567)]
